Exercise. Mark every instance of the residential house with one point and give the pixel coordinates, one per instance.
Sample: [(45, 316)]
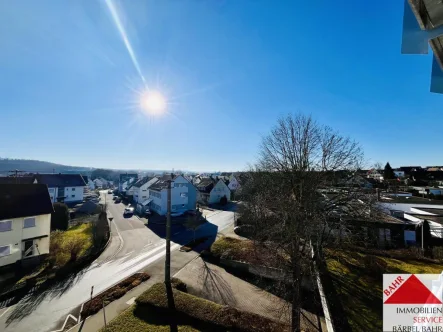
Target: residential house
[(125, 179), (101, 183), (140, 190), (374, 174), (410, 169), (211, 191), (25, 222), (196, 179), (435, 169), (234, 182), (17, 180), (130, 189), (91, 184), (183, 195), (67, 188), (399, 173)]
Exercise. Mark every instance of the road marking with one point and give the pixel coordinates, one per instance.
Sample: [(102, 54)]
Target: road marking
[(131, 301), (4, 312), (66, 320)]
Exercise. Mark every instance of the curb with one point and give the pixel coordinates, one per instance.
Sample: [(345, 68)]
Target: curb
[(98, 294)]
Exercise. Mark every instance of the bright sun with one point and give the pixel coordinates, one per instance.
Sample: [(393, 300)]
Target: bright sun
[(153, 102)]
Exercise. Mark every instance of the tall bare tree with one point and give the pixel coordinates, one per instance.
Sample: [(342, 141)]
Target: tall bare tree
[(301, 189)]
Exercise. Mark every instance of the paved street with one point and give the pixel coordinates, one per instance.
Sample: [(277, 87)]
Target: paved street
[(133, 247)]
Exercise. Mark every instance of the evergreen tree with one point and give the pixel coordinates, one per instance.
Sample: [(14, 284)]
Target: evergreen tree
[(388, 172)]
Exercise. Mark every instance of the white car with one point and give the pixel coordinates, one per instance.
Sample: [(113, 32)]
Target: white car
[(128, 210)]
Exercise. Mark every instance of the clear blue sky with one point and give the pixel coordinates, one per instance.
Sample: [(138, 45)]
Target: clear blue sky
[(229, 68)]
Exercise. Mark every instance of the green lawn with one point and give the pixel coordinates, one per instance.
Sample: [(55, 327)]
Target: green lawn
[(132, 320), (150, 313), (360, 294)]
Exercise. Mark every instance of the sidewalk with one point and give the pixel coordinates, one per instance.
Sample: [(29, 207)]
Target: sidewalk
[(215, 284), (156, 270)]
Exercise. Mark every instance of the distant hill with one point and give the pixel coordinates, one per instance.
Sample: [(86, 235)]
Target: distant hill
[(37, 166)]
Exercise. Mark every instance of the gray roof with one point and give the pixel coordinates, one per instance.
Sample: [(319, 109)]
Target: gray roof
[(24, 200), (61, 180), (17, 180), (206, 185), (142, 181), (162, 182)]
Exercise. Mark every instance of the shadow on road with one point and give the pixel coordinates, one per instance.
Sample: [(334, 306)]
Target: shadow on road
[(29, 300), (182, 235)]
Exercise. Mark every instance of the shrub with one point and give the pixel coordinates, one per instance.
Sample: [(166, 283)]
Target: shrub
[(135, 283), (74, 245), (117, 293), (60, 217), (223, 200), (179, 285)]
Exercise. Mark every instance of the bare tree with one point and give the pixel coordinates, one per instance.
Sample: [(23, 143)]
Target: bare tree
[(293, 198)]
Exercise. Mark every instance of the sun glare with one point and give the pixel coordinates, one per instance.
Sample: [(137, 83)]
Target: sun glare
[(153, 102)]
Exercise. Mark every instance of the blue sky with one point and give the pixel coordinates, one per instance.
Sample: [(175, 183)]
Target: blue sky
[(228, 68)]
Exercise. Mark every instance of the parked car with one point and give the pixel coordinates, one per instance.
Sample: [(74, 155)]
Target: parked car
[(114, 198), (118, 200), (129, 210), (109, 191)]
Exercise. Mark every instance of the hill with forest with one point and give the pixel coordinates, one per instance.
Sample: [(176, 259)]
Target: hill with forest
[(37, 166)]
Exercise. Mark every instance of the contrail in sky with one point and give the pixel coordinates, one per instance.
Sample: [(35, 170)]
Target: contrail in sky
[(124, 36)]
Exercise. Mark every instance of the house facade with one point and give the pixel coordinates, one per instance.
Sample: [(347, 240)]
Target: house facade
[(25, 222), (126, 178), (234, 183), (183, 195), (375, 174), (140, 191), (67, 188), (211, 191), (399, 173)]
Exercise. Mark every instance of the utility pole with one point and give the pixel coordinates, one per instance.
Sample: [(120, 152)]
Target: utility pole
[(16, 171), (168, 238), (168, 286)]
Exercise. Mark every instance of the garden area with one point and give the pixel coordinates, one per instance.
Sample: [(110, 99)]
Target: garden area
[(151, 313), (357, 278), (241, 250), (71, 248)]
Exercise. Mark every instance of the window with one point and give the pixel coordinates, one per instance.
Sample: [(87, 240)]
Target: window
[(143, 196), (73, 189), (6, 226), (5, 250), (29, 222), (51, 190), (72, 196)]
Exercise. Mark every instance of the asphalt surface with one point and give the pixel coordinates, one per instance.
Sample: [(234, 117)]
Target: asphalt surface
[(133, 247)]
